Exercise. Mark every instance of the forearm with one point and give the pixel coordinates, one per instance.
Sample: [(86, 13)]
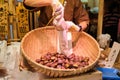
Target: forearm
[(81, 16), (37, 3)]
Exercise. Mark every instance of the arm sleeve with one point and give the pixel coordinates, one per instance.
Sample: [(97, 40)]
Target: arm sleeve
[(80, 12), (30, 8)]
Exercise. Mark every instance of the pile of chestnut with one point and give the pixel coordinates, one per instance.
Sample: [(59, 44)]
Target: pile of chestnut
[(61, 61)]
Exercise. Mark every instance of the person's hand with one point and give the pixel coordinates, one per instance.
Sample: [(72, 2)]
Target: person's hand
[(59, 12), (59, 21), (61, 24), (57, 6), (58, 9), (72, 27)]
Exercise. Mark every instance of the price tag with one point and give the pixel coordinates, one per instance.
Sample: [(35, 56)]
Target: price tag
[(113, 55)]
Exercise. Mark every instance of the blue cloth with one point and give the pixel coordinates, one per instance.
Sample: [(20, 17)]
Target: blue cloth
[(109, 73)]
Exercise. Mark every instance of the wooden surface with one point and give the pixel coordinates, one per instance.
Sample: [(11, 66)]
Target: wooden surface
[(12, 61)]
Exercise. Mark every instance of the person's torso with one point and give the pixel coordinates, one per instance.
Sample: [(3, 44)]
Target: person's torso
[(111, 19)]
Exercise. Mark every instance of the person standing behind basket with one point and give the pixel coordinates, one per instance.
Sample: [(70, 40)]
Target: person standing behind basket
[(74, 12), (110, 21)]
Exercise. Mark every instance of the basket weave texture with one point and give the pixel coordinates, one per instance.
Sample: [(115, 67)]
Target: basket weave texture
[(40, 41)]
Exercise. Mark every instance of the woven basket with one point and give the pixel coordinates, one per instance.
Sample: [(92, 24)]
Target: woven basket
[(43, 40)]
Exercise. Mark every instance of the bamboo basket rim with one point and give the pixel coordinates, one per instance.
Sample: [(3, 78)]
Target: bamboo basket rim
[(55, 69)]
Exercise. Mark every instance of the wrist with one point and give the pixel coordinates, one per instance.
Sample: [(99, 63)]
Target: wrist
[(80, 28)]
